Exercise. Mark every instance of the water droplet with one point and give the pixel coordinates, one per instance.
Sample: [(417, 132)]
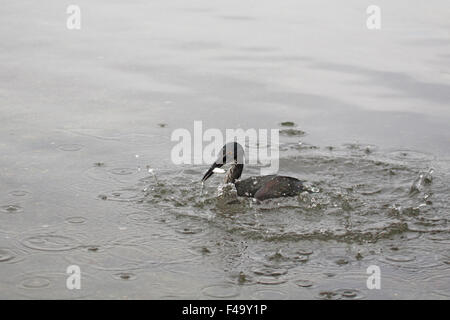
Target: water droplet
[(125, 276), (349, 294), (205, 250), (292, 132), (341, 261), (93, 248), (328, 295), (287, 124), (188, 230)]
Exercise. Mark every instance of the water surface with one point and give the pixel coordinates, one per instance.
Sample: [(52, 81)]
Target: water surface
[(85, 114)]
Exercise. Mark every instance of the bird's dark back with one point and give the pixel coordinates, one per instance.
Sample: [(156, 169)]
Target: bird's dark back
[(271, 186)]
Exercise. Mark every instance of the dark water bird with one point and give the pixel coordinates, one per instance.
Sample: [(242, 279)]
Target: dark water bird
[(258, 187)]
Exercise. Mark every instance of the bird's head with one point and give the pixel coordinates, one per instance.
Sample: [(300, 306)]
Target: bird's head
[(231, 152)]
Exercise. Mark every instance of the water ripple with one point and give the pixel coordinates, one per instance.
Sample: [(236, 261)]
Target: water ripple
[(222, 291), (50, 242)]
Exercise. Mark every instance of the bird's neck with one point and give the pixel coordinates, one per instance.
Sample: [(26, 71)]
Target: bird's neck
[(234, 172)]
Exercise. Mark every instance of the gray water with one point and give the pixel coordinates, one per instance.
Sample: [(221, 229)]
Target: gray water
[(86, 113)]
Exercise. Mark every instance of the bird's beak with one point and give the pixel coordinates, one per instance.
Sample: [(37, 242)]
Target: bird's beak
[(210, 171), (221, 160)]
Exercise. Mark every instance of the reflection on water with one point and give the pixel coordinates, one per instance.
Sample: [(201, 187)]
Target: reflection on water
[(85, 169)]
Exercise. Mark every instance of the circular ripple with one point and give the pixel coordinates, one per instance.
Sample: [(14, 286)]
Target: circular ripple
[(270, 280), (70, 147), (107, 175), (122, 171), (341, 294), (52, 285), (93, 248), (270, 272), (304, 252), (304, 283), (50, 242), (269, 295), (369, 190), (11, 208), (19, 193), (118, 259), (400, 257), (440, 285), (242, 278), (340, 260), (442, 237), (10, 256), (221, 291), (188, 230), (125, 194), (127, 276), (35, 282), (409, 155), (414, 260), (76, 220), (366, 148), (328, 295), (350, 294), (139, 216), (292, 132)]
